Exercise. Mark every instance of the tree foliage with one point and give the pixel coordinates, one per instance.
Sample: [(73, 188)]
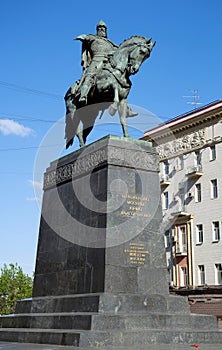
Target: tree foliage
[(14, 285)]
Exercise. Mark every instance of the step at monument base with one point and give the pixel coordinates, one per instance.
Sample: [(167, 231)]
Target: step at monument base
[(114, 338), (108, 320), (105, 302)]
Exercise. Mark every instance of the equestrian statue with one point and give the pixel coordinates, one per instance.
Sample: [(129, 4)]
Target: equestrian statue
[(105, 82)]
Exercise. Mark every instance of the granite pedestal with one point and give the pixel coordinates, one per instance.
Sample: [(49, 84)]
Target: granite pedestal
[(101, 277)]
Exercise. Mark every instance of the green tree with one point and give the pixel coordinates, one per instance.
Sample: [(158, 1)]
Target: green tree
[(14, 285)]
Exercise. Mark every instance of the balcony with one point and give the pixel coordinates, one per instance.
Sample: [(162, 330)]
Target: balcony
[(195, 171), (181, 250), (164, 180)]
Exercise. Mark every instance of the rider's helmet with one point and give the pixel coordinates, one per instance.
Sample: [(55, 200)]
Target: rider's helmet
[(101, 29)]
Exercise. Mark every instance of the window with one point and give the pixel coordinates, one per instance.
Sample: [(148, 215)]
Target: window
[(183, 234), (198, 158), (216, 231), (213, 152), (166, 168), (166, 200), (198, 193), (214, 190), (218, 275), (201, 273), (167, 239), (181, 246), (183, 276), (199, 234)]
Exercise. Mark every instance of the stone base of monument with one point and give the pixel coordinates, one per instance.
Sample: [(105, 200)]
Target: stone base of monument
[(101, 277), (96, 320)]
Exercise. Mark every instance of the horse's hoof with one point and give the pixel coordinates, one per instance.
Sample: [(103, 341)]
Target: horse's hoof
[(112, 110), (132, 114)]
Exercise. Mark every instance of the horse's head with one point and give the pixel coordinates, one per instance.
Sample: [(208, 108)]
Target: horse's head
[(139, 52)]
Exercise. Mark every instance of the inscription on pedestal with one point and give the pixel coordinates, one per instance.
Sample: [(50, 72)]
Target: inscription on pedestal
[(136, 253), (135, 206)]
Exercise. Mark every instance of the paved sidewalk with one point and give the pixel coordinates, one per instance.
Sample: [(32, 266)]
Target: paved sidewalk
[(21, 346)]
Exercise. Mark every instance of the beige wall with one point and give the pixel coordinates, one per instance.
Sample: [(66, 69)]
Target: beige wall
[(208, 210)]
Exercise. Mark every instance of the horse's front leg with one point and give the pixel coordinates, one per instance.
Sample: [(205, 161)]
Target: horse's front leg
[(122, 109), (113, 107)]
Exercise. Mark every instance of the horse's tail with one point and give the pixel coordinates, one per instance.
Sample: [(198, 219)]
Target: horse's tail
[(70, 123), (68, 130)]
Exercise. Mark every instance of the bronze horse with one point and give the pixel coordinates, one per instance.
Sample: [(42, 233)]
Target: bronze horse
[(112, 86)]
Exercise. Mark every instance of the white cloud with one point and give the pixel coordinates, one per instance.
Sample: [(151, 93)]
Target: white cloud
[(8, 126), (33, 199), (36, 184)]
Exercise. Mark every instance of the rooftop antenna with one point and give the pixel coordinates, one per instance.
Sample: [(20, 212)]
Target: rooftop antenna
[(195, 97)]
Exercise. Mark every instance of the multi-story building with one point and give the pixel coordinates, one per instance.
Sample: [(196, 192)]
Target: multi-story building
[(190, 150)]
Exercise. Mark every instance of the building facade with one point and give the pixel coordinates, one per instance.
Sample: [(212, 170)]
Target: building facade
[(190, 150)]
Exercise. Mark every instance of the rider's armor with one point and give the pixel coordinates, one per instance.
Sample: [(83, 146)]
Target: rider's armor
[(95, 52)]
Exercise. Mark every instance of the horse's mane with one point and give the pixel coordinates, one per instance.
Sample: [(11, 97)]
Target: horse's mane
[(135, 39)]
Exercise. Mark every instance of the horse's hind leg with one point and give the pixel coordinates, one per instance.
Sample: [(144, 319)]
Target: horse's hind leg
[(79, 134), (122, 109)]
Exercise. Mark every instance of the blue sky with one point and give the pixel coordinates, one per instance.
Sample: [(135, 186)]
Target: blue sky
[(40, 60)]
